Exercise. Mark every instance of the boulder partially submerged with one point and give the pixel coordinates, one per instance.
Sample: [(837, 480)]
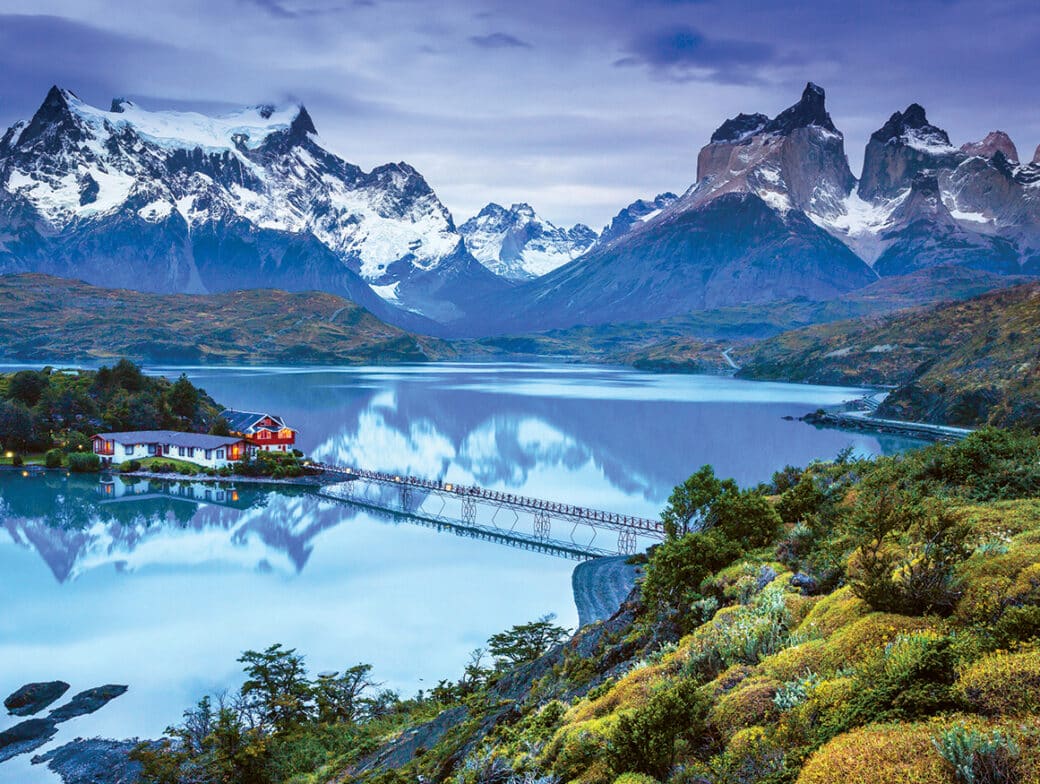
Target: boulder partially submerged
[(87, 702), (34, 697), (25, 737)]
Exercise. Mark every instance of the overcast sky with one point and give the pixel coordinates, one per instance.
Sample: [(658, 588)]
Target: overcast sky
[(575, 106)]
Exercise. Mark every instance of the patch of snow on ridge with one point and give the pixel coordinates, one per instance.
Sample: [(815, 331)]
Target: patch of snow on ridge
[(971, 217), (926, 142), (388, 292), (860, 224), (156, 211), (775, 199), (188, 130)]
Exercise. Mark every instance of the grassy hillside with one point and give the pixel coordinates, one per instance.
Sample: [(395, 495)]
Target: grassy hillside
[(43, 317), (964, 363), (854, 622)]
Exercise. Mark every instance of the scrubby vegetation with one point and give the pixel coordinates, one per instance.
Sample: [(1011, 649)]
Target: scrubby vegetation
[(855, 621), (56, 411), (959, 363)]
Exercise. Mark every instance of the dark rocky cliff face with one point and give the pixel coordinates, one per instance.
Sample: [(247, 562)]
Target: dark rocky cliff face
[(925, 234), (901, 149)]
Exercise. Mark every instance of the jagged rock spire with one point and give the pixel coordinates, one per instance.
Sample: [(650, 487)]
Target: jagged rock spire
[(811, 109), (913, 119)]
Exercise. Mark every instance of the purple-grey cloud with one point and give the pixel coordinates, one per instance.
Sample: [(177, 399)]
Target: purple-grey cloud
[(498, 41), (682, 52), (274, 8)]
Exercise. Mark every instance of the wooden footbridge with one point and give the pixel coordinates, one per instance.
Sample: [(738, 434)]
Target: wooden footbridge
[(554, 525)]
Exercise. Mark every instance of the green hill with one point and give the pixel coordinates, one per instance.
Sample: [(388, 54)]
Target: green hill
[(964, 363), (53, 319)]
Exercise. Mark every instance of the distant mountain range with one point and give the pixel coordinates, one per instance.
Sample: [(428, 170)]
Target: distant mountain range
[(174, 202), (520, 245), (776, 213)]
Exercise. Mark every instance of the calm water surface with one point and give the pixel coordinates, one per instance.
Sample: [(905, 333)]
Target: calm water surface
[(162, 587)]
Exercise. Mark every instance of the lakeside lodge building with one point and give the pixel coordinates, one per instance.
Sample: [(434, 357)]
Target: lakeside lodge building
[(204, 450), (251, 432), (263, 431)]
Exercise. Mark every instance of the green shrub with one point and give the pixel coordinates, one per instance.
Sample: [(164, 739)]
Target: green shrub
[(1017, 624), (801, 502), (53, 458), (1003, 684), (977, 757), (908, 553), (84, 462), (678, 567), (130, 466), (745, 516), (650, 738), (16, 460)]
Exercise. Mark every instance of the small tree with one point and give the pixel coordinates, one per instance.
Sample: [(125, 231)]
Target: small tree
[(744, 516), (184, 399), (525, 642), (220, 427), (342, 697), (276, 686), (649, 739), (678, 567), (689, 502), (27, 386)]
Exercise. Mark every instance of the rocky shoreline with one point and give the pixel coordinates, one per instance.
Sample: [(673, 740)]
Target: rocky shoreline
[(32, 698)]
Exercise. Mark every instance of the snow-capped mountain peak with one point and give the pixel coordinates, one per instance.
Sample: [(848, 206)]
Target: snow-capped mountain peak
[(517, 243), (224, 198)]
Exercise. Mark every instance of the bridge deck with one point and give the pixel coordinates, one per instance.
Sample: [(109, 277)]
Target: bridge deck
[(597, 517)]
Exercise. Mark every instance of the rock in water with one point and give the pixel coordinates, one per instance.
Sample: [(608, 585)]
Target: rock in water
[(25, 737), (34, 697), (87, 702), (94, 761)]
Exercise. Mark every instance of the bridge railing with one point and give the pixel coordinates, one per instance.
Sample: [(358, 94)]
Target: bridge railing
[(554, 507)]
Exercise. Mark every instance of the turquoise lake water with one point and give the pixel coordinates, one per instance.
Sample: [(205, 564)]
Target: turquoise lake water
[(162, 587)]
